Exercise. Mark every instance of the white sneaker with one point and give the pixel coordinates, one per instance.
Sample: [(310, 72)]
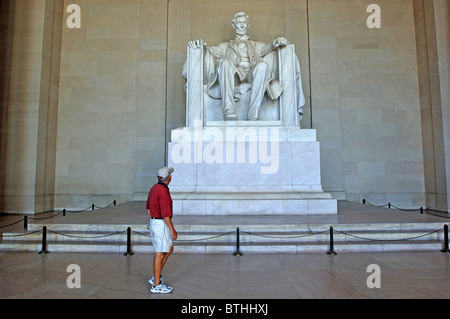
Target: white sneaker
[(152, 280), (161, 289)]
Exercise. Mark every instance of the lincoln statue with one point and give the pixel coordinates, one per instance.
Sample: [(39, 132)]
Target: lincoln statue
[(239, 61)]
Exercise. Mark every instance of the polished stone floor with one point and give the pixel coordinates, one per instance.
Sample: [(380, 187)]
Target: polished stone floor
[(251, 276)]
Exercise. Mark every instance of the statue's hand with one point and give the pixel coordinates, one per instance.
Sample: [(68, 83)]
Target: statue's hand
[(280, 42), (196, 44)]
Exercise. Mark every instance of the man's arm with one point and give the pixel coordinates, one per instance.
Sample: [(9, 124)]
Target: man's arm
[(173, 232)]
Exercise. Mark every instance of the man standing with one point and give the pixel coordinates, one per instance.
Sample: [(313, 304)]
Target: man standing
[(160, 211)]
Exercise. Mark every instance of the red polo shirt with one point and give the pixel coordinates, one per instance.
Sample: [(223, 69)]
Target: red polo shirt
[(159, 201)]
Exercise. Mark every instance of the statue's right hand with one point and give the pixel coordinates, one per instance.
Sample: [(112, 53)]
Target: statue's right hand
[(196, 44)]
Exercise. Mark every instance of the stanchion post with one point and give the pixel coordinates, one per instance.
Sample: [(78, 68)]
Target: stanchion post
[(364, 201), (93, 206), (25, 222), (64, 212), (331, 251), (44, 241), (129, 252), (237, 252), (445, 239)]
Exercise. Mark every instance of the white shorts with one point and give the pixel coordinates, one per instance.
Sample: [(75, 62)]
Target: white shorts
[(161, 237)]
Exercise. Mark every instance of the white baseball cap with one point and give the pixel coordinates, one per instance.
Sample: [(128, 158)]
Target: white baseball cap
[(165, 172)]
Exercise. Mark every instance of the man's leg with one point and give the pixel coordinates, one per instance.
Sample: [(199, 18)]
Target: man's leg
[(157, 266), (260, 77), (166, 256)]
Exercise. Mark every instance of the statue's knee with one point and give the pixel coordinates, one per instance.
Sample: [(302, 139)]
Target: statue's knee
[(226, 65), (262, 66)]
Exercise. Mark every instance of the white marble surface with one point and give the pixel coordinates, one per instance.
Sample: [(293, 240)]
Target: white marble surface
[(239, 130), (256, 170)]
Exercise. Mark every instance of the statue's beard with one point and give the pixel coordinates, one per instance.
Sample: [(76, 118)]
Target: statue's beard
[(241, 32)]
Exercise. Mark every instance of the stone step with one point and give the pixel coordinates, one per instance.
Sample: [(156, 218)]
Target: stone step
[(214, 242), (226, 247), (220, 237), (244, 227), (244, 236)]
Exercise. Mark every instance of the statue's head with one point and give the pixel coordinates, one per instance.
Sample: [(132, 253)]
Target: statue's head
[(241, 23)]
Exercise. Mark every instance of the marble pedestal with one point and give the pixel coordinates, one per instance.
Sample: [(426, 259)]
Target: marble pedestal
[(247, 168)]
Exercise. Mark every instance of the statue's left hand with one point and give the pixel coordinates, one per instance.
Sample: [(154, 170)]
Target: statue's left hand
[(280, 42), (196, 44)]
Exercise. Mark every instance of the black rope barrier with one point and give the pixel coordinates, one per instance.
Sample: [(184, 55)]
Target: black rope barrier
[(40, 218), (331, 230), (147, 235), (331, 250), (366, 202), (86, 237), (188, 240), (445, 249), (421, 209), (398, 239), (44, 241), (26, 217), (288, 236), (129, 252), (237, 251), (99, 207), (24, 234), (92, 207), (12, 223), (431, 212)]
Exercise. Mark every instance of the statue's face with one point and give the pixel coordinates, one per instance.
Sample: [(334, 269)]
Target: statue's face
[(241, 25)]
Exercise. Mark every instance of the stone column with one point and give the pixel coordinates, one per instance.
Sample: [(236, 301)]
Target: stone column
[(442, 16), (30, 137), (431, 22), (6, 37)]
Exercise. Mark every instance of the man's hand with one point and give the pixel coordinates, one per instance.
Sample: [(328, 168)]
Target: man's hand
[(280, 42), (196, 44), (174, 234)]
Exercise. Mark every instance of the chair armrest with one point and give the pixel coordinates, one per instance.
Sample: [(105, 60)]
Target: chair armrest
[(194, 86)]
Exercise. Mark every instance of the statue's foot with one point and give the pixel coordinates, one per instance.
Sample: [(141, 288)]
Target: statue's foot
[(253, 116), (230, 117)]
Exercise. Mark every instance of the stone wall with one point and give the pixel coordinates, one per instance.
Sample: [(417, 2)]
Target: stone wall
[(365, 101), (111, 121), (120, 93)]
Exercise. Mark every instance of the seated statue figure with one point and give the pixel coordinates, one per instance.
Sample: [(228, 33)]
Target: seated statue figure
[(240, 61)]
